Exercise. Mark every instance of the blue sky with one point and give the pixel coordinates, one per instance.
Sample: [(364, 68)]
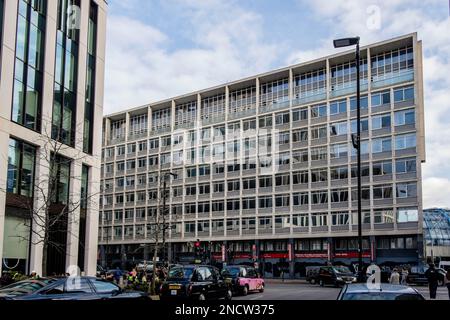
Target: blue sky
[(161, 48)]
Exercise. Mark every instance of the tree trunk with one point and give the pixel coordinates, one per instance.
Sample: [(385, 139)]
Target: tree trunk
[(153, 284), (44, 258)]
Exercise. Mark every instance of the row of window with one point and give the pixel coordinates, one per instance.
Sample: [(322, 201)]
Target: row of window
[(379, 168), (161, 118), (337, 195), (382, 121)]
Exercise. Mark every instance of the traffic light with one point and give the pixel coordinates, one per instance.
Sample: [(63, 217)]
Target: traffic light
[(197, 248)]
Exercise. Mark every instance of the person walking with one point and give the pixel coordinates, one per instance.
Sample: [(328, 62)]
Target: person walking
[(404, 276), (432, 276), (395, 277), (447, 282)]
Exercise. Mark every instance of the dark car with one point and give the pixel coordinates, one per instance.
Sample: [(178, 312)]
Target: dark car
[(336, 275), (197, 282), (417, 276), (24, 287), (243, 279), (312, 274), (81, 288), (384, 292)]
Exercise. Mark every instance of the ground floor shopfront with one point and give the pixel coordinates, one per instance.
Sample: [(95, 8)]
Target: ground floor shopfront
[(276, 258)]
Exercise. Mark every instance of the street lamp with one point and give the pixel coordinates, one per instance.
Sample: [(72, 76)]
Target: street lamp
[(166, 175), (356, 141)]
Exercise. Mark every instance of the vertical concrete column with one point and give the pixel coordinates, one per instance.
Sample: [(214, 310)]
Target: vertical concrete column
[(73, 222), (4, 142), (198, 125), (172, 115), (42, 174), (292, 261), (227, 102), (258, 93), (107, 136), (92, 214), (291, 88), (127, 125), (330, 249), (149, 120)]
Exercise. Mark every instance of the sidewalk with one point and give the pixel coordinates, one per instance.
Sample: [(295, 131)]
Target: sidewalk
[(287, 281)]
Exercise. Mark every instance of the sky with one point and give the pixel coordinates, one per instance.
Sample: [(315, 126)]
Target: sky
[(157, 49)]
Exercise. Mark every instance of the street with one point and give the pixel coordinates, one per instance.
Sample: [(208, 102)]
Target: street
[(300, 290)]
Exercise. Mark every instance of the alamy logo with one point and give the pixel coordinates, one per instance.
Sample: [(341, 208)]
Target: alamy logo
[(374, 18), (73, 17)]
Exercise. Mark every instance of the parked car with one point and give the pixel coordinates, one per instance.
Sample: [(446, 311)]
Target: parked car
[(24, 287), (197, 282), (243, 279), (336, 275), (417, 276), (312, 274), (81, 288), (386, 291)]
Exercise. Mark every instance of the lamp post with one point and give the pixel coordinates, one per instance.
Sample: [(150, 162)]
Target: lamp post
[(356, 141), (166, 175)]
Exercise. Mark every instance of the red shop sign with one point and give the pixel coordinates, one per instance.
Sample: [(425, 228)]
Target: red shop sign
[(311, 255), (352, 254), (275, 255)]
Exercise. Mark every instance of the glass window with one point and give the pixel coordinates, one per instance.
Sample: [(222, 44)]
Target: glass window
[(21, 166)]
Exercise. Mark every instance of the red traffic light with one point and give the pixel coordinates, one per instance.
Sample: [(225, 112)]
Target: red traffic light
[(197, 244)]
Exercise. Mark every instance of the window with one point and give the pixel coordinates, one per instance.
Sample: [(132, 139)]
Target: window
[(300, 199), (340, 218), (191, 190), (282, 200), (153, 144), (191, 172), (338, 151), (121, 150), (365, 215), (364, 125), (300, 220), (138, 125), (65, 86), (391, 63), (219, 132), (232, 224), (186, 113), (407, 215), (29, 63), (265, 223), (283, 138), (339, 173), (265, 202), (318, 132), (234, 185), (217, 206), (203, 207), (282, 180), (309, 83), (337, 107), (319, 197), (142, 146), (274, 92), (204, 188), (60, 179), (242, 99), (364, 103), (213, 106), (405, 141), (265, 122), (381, 145), (282, 118), (233, 204), (248, 203), (383, 216), (320, 153), (405, 117), (406, 190), (249, 183), (319, 219), (382, 168), (153, 161), (404, 94), (300, 114), (189, 227), (337, 129), (339, 195), (249, 125), (204, 170), (300, 135), (219, 168), (319, 175), (248, 224), (300, 177), (319, 111), (380, 122), (382, 192), (380, 98), (265, 182), (161, 119), (218, 187), (407, 165), (300, 156), (21, 166)]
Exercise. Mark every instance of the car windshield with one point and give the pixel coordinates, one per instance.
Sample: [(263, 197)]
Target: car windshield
[(180, 273), (342, 269), (233, 271), (381, 296)]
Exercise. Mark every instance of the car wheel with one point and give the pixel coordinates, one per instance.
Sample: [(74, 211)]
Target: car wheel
[(261, 289), (312, 281), (229, 295), (244, 291), (201, 297)]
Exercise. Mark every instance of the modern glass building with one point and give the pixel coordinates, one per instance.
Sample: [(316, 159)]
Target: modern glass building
[(265, 171), (51, 66), (436, 226)]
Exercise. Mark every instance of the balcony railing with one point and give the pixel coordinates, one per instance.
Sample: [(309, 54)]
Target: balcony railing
[(405, 76)]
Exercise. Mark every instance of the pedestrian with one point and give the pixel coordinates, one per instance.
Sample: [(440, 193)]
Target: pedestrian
[(395, 277), (447, 282), (432, 276), (404, 276), (34, 275)]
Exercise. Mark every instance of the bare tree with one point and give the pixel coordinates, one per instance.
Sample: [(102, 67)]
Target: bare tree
[(53, 207)]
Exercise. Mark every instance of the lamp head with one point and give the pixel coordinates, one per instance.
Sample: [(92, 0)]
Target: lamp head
[(345, 42)]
